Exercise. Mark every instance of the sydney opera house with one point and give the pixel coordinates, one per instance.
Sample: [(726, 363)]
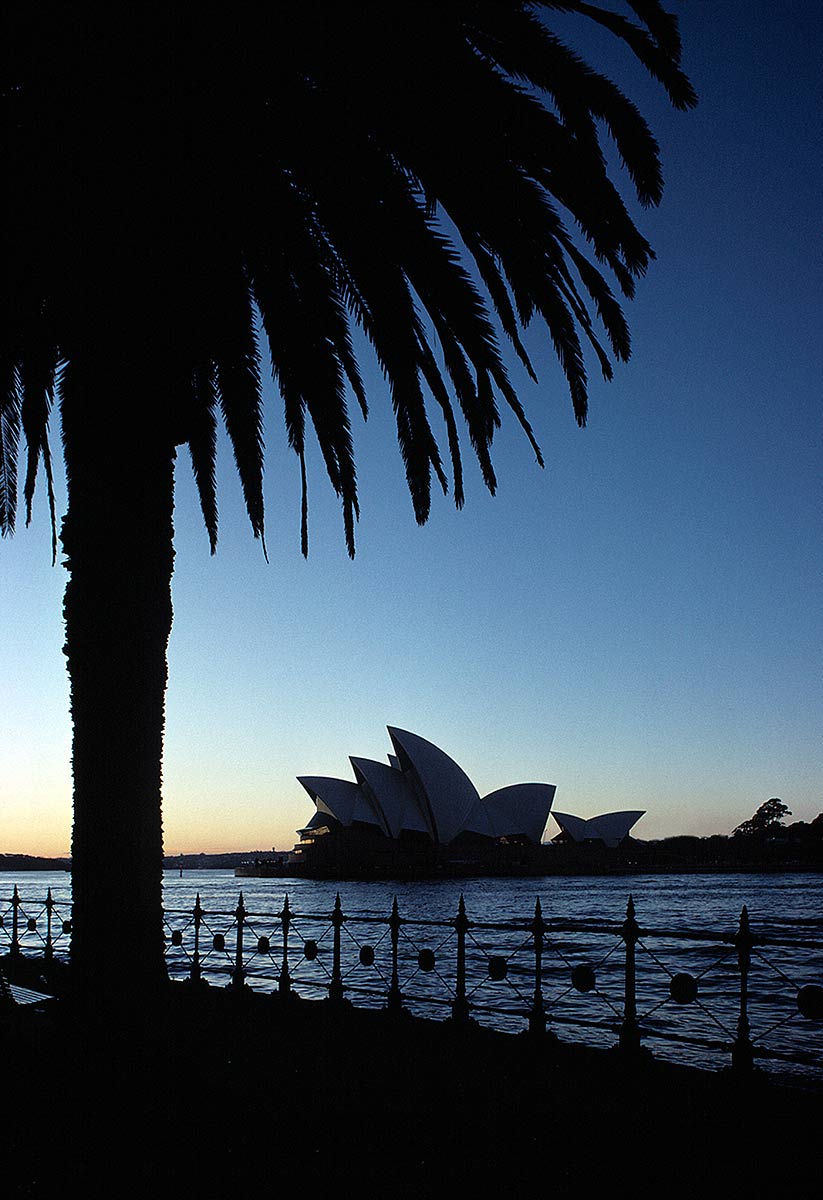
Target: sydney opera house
[(418, 813)]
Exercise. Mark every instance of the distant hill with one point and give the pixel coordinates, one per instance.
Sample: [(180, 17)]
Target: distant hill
[(30, 862)]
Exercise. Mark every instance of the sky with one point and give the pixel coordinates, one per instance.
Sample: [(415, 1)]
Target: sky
[(639, 623)]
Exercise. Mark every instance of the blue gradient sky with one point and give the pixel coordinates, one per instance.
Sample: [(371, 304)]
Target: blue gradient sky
[(639, 623)]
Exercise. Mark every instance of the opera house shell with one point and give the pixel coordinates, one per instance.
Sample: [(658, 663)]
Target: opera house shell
[(417, 812), (611, 828)]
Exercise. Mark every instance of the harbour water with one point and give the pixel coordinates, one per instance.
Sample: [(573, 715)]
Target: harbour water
[(776, 903), (780, 903), (686, 922)]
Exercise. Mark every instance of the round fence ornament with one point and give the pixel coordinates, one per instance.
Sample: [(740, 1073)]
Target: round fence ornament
[(425, 960), (498, 967), (583, 978), (367, 956), (810, 1002), (67, 927), (176, 937), (219, 942), (31, 924), (263, 945), (683, 988), (310, 950)]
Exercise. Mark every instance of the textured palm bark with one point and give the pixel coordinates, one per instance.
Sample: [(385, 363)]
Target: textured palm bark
[(117, 536)]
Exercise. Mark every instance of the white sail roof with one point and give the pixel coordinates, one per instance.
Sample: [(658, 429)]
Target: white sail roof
[(445, 790), (610, 828), (392, 794), (423, 791), (340, 798), (520, 808)]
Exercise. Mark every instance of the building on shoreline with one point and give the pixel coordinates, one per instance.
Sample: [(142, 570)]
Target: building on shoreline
[(418, 813)]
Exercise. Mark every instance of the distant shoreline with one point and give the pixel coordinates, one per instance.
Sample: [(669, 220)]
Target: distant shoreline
[(639, 858), (30, 862)]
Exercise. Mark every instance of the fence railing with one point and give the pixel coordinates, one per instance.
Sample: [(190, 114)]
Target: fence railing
[(43, 929), (731, 998)]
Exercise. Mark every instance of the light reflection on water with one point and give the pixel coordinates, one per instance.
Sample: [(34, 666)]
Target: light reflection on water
[(779, 906)]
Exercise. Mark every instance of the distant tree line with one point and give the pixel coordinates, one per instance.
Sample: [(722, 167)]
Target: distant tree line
[(762, 841), (767, 822)]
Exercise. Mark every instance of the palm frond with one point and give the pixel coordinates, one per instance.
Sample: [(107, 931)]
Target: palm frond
[(525, 50), (38, 371), (10, 410), (657, 47), (371, 266), (312, 358), (489, 268), (237, 363), (202, 442), (480, 422), (434, 381), (662, 25), (609, 311)]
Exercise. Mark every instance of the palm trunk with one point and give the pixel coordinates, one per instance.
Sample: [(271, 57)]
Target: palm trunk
[(117, 536)]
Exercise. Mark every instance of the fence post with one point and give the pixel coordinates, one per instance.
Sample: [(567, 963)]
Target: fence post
[(238, 975), (284, 983), (336, 985), (460, 1005), (48, 952), (15, 924), (394, 1000), (537, 1016), (742, 1050), (194, 973), (629, 1030)]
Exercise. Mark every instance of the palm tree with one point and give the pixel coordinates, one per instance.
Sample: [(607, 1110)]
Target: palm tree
[(181, 188)]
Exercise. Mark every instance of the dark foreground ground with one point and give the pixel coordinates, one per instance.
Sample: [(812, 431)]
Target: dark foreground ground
[(237, 1096)]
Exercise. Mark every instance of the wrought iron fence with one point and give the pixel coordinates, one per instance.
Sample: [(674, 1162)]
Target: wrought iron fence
[(732, 997), (41, 929)]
